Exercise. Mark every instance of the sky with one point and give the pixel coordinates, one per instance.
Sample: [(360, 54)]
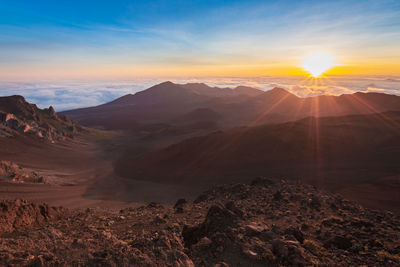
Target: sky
[(81, 53), (125, 39)]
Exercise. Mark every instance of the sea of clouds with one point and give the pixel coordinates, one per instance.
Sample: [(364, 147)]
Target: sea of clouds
[(64, 95)]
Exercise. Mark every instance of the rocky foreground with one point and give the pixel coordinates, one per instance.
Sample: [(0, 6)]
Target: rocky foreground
[(265, 223)]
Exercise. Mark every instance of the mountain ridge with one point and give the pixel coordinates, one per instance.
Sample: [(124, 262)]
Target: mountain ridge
[(164, 102)]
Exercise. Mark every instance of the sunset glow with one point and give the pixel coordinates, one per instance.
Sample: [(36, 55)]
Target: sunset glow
[(128, 39), (318, 63)]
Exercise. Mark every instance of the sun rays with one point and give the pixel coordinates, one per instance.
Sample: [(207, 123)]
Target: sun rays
[(318, 63)]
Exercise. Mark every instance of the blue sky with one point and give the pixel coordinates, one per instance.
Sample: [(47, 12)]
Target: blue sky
[(73, 54), (113, 39)]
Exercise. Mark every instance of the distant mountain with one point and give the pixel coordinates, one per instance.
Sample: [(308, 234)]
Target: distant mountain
[(290, 107), (161, 103), (17, 116), (166, 102), (335, 151)]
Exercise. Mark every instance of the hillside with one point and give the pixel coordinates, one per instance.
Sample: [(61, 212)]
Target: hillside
[(332, 152)]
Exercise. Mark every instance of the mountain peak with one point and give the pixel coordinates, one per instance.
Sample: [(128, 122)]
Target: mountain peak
[(166, 83), (278, 90)]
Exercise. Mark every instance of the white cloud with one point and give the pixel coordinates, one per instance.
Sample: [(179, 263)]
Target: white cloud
[(75, 94)]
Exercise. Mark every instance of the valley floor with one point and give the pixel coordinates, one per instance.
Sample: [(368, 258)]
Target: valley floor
[(79, 173)]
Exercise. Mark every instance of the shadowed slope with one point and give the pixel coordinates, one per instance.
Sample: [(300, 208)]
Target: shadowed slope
[(333, 151)]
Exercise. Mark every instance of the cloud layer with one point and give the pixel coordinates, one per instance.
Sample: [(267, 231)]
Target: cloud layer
[(64, 95)]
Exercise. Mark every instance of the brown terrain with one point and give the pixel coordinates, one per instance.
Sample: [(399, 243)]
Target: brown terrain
[(117, 169), (265, 223)]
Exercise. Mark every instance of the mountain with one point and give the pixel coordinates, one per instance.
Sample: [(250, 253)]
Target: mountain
[(17, 116), (162, 103), (332, 152), (167, 102), (290, 107)]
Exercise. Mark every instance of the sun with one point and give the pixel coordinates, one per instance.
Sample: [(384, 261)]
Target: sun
[(318, 63)]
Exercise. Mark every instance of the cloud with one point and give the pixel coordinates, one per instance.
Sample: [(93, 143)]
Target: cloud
[(63, 95)]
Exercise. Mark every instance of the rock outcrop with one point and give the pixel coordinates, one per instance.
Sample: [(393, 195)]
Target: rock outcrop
[(15, 173), (22, 215), (17, 116)]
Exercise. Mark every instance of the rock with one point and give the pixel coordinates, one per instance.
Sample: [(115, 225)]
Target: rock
[(253, 230), (180, 202), (15, 173), (21, 214), (158, 220), (20, 117), (4, 117), (250, 254), (296, 232), (78, 243), (315, 202), (340, 242), (204, 242), (180, 259), (232, 207), (52, 112), (37, 262), (155, 205), (289, 253), (358, 223), (332, 221), (218, 219), (287, 233), (179, 205), (221, 264)]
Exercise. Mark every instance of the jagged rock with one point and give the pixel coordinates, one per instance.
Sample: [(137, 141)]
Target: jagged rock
[(20, 117), (218, 219), (52, 112)]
